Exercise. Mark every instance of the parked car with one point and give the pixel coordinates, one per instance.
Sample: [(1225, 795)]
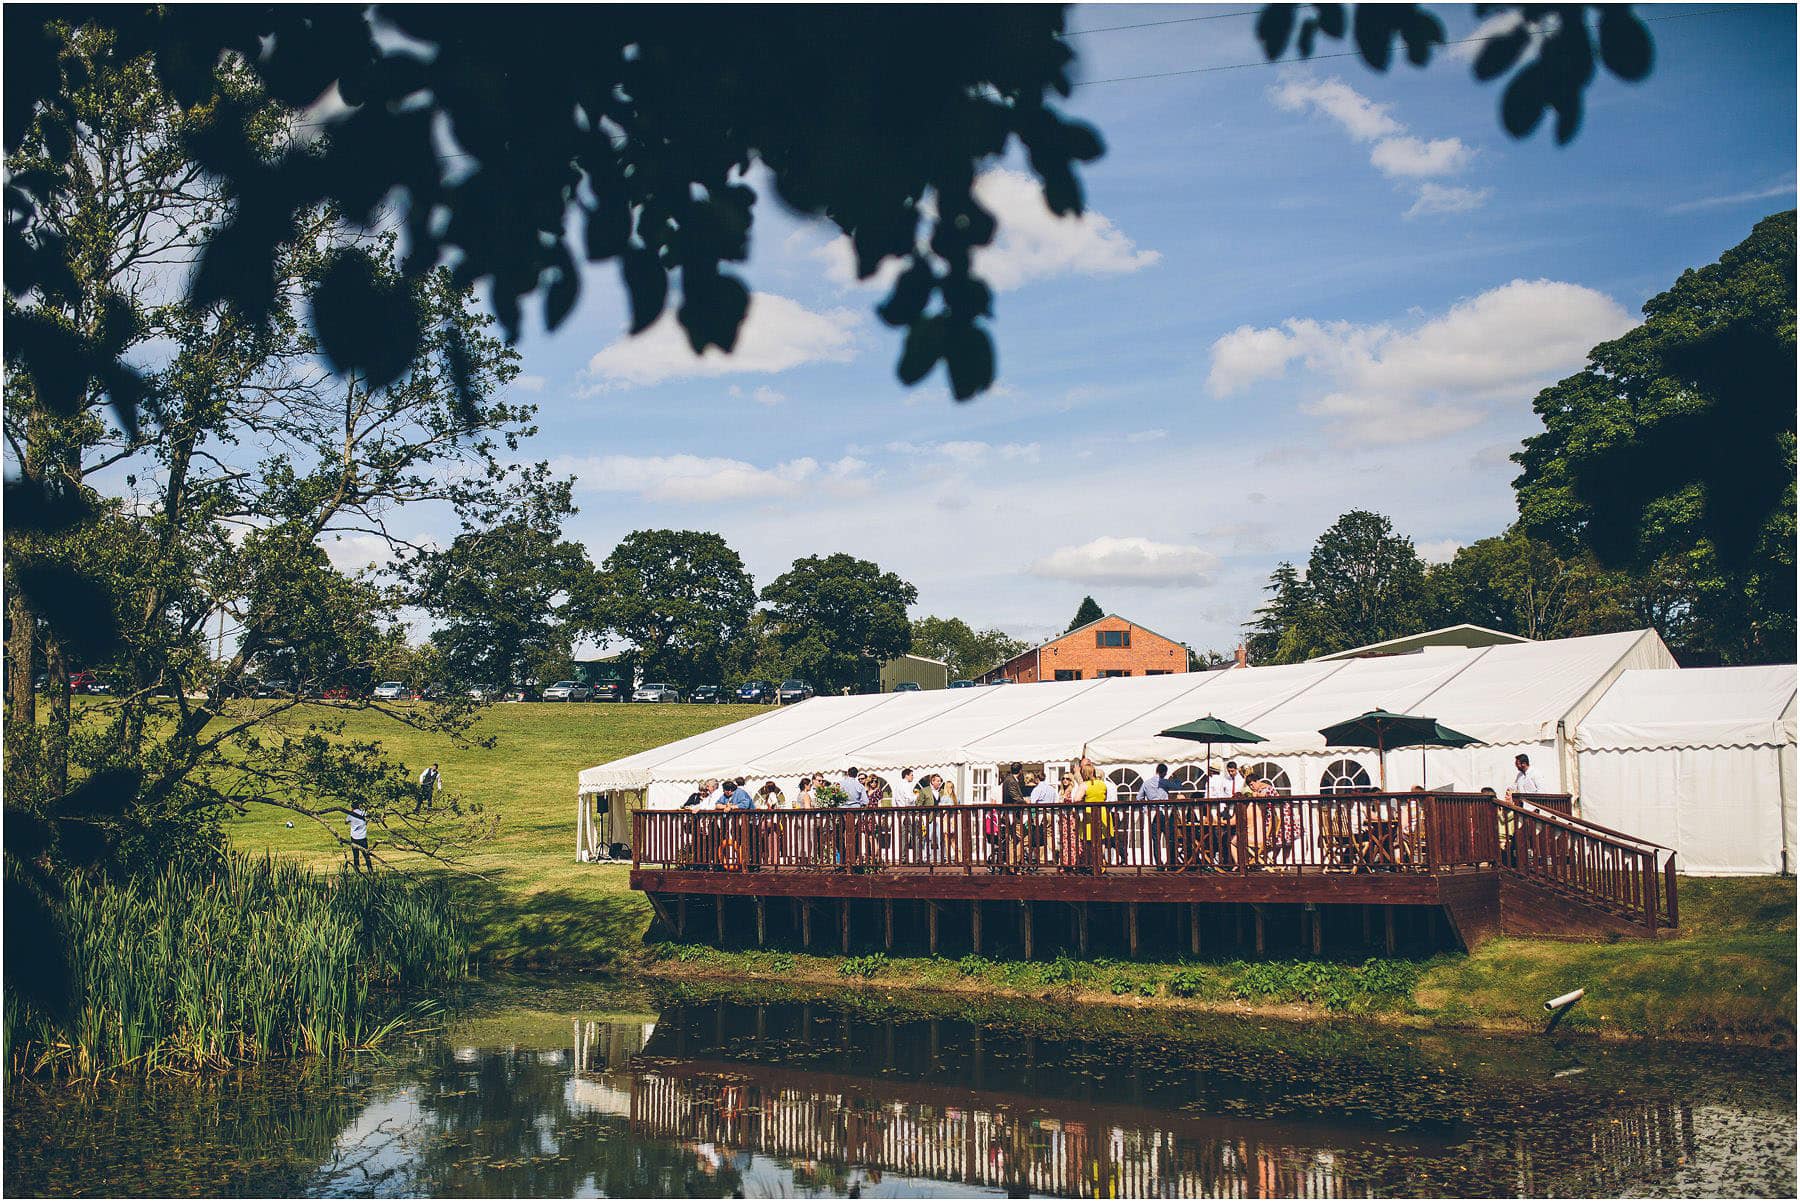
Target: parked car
[(609, 690), (87, 682), (391, 690), (568, 690), (649, 691), (792, 691), (962, 684), (264, 689), (759, 692), (908, 686), (520, 692), (706, 694)]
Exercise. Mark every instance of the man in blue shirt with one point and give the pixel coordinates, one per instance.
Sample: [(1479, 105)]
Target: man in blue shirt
[(740, 798), (858, 797), (1162, 821)]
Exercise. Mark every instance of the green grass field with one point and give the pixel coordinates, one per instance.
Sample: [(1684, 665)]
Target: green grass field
[(1730, 972), (531, 901)]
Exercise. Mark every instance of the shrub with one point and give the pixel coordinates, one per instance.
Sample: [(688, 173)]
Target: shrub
[(863, 966), (973, 965)]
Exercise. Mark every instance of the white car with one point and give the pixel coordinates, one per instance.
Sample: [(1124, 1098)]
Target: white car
[(656, 692), (392, 690), (568, 690)]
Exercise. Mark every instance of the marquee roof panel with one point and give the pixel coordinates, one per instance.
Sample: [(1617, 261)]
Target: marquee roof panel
[(1696, 707)]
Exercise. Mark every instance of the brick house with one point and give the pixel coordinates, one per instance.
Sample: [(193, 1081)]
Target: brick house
[(1108, 646)]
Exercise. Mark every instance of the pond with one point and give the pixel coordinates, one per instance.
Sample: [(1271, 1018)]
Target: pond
[(538, 1089)]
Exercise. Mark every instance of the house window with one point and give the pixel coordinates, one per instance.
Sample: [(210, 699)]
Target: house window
[(1112, 638), (1156, 672), (981, 786), (1344, 776), (1116, 672), (1189, 778), (1127, 782), (1068, 674)]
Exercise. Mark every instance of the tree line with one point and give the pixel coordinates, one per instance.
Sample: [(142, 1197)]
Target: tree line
[(1659, 493)]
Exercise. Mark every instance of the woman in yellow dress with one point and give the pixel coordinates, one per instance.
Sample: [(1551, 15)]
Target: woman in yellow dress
[(1096, 819)]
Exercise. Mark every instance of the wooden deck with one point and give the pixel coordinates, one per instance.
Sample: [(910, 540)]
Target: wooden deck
[(1484, 865)]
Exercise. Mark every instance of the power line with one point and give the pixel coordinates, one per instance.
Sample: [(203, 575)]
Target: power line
[(1076, 33)]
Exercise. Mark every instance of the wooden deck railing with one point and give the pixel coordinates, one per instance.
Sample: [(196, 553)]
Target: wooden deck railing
[(1630, 877), (1381, 832)]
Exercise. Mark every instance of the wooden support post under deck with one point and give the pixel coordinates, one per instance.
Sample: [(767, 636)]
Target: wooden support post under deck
[(844, 925), (1318, 930), (1081, 927), (1237, 916), (681, 916), (1256, 912), (887, 923), (975, 925), (931, 921), (1368, 926), (1387, 928), (719, 918), (805, 923), (1193, 929), (1025, 927), (1131, 928), (762, 921)]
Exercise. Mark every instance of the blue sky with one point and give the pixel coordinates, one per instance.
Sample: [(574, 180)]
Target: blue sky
[(1300, 289)]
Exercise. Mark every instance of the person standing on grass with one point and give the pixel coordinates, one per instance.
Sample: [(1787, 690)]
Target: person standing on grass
[(428, 783), (358, 819)]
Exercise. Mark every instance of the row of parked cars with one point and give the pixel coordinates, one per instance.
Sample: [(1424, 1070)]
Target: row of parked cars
[(751, 692)]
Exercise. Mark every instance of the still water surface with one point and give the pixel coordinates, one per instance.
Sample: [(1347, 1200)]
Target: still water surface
[(572, 1091)]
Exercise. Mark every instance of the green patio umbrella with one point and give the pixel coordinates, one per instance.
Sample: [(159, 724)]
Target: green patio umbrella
[(1382, 729), (1210, 730)]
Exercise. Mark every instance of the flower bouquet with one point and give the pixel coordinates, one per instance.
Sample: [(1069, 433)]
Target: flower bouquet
[(829, 796)]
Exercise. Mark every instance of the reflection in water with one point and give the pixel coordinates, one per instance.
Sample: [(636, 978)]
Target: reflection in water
[(719, 1099)]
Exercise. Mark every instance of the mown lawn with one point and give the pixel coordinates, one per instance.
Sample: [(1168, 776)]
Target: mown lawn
[(528, 900)]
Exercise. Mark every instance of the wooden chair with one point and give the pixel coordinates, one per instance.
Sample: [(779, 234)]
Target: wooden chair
[(1337, 845)]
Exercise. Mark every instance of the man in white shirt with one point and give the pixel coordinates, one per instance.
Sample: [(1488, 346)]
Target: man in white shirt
[(1239, 785), (1218, 785), (1524, 782), (1044, 794), (358, 819)]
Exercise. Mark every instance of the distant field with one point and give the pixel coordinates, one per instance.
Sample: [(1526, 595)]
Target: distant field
[(533, 900)]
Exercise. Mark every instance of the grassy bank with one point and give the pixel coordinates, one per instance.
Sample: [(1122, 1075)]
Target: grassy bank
[(200, 968), (1728, 974)]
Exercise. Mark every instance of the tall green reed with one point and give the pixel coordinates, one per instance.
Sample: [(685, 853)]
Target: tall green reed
[(259, 958)]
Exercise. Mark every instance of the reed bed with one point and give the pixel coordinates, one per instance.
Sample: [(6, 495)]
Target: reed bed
[(192, 969)]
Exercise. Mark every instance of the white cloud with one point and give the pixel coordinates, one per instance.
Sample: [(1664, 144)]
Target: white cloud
[(1467, 49), (701, 479), (1396, 153), (353, 553), (1128, 561), (1032, 243), (1379, 384), (762, 394), (1736, 198), (530, 383), (1409, 156), (966, 453), (778, 334), (1035, 244), (1442, 550), (1447, 198), (1362, 118)]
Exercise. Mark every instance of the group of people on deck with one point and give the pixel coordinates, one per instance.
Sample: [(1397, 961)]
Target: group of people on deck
[(1085, 832)]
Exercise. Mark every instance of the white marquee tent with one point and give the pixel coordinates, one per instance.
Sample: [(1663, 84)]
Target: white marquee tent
[(1525, 697), (1696, 760)]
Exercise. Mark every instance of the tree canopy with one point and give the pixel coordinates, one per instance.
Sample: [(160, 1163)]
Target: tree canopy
[(963, 649), (1672, 453), (836, 618), (682, 597), (1088, 611)]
